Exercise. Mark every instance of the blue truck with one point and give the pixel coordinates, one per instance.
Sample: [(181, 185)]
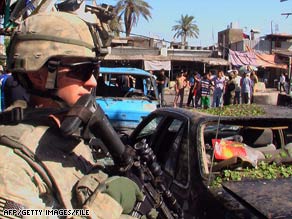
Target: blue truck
[(126, 95)]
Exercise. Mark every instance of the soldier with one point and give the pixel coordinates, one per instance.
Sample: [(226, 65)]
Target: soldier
[(53, 55)]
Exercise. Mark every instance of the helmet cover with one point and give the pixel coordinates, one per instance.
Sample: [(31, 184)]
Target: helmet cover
[(45, 35)]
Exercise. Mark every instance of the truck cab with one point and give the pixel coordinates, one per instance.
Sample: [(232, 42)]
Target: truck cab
[(126, 95)]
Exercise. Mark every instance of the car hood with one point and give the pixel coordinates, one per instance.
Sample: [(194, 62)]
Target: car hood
[(266, 198)]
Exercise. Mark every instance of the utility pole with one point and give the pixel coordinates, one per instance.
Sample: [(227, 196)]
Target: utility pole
[(286, 14), (289, 76), (290, 59), (223, 52)]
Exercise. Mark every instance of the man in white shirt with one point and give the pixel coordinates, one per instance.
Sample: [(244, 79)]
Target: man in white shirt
[(282, 82), (237, 87)]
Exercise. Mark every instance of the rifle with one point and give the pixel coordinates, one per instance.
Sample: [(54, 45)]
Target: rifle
[(138, 162)]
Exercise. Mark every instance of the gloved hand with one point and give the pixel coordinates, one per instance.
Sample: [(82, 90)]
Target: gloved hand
[(125, 191), (153, 214), (89, 191), (102, 205)]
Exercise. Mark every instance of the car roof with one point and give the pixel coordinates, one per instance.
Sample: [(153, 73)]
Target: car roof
[(276, 115), (124, 70)]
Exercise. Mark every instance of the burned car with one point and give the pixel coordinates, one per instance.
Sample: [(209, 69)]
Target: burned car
[(220, 166)]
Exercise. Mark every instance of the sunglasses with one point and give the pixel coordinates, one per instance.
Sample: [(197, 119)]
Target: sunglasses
[(81, 71)]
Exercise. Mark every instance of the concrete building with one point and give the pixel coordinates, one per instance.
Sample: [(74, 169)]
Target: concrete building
[(139, 52), (277, 46)]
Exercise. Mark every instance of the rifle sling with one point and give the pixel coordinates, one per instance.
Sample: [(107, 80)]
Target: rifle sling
[(26, 154), (18, 114)]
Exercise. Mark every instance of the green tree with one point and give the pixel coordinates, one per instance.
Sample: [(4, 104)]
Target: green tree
[(186, 27), (131, 10)]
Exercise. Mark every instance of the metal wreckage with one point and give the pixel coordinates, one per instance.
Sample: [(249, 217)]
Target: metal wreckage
[(87, 119), (234, 163)]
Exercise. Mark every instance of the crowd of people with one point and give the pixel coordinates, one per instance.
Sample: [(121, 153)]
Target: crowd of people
[(215, 88)]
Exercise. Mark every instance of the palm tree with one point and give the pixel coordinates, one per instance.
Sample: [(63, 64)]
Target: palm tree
[(186, 27), (131, 11)]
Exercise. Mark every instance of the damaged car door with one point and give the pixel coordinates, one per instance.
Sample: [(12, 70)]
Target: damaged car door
[(239, 167)]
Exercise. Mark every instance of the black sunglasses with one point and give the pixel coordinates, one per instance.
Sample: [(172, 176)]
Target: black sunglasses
[(79, 70)]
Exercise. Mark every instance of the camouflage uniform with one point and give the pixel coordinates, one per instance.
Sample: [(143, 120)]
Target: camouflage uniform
[(36, 170), (23, 185)]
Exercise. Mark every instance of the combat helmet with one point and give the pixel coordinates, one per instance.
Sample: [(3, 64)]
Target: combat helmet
[(36, 40)]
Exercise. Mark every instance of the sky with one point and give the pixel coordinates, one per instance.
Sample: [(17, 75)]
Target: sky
[(213, 16)]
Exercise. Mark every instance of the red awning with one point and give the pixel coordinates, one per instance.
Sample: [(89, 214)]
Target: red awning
[(242, 58), (255, 59), (265, 60)]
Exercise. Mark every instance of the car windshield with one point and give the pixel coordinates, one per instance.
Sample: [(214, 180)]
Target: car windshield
[(125, 85), (235, 147), (150, 128)]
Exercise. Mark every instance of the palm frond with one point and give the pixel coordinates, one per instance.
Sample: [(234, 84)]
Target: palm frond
[(131, 10), (186, 27)]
